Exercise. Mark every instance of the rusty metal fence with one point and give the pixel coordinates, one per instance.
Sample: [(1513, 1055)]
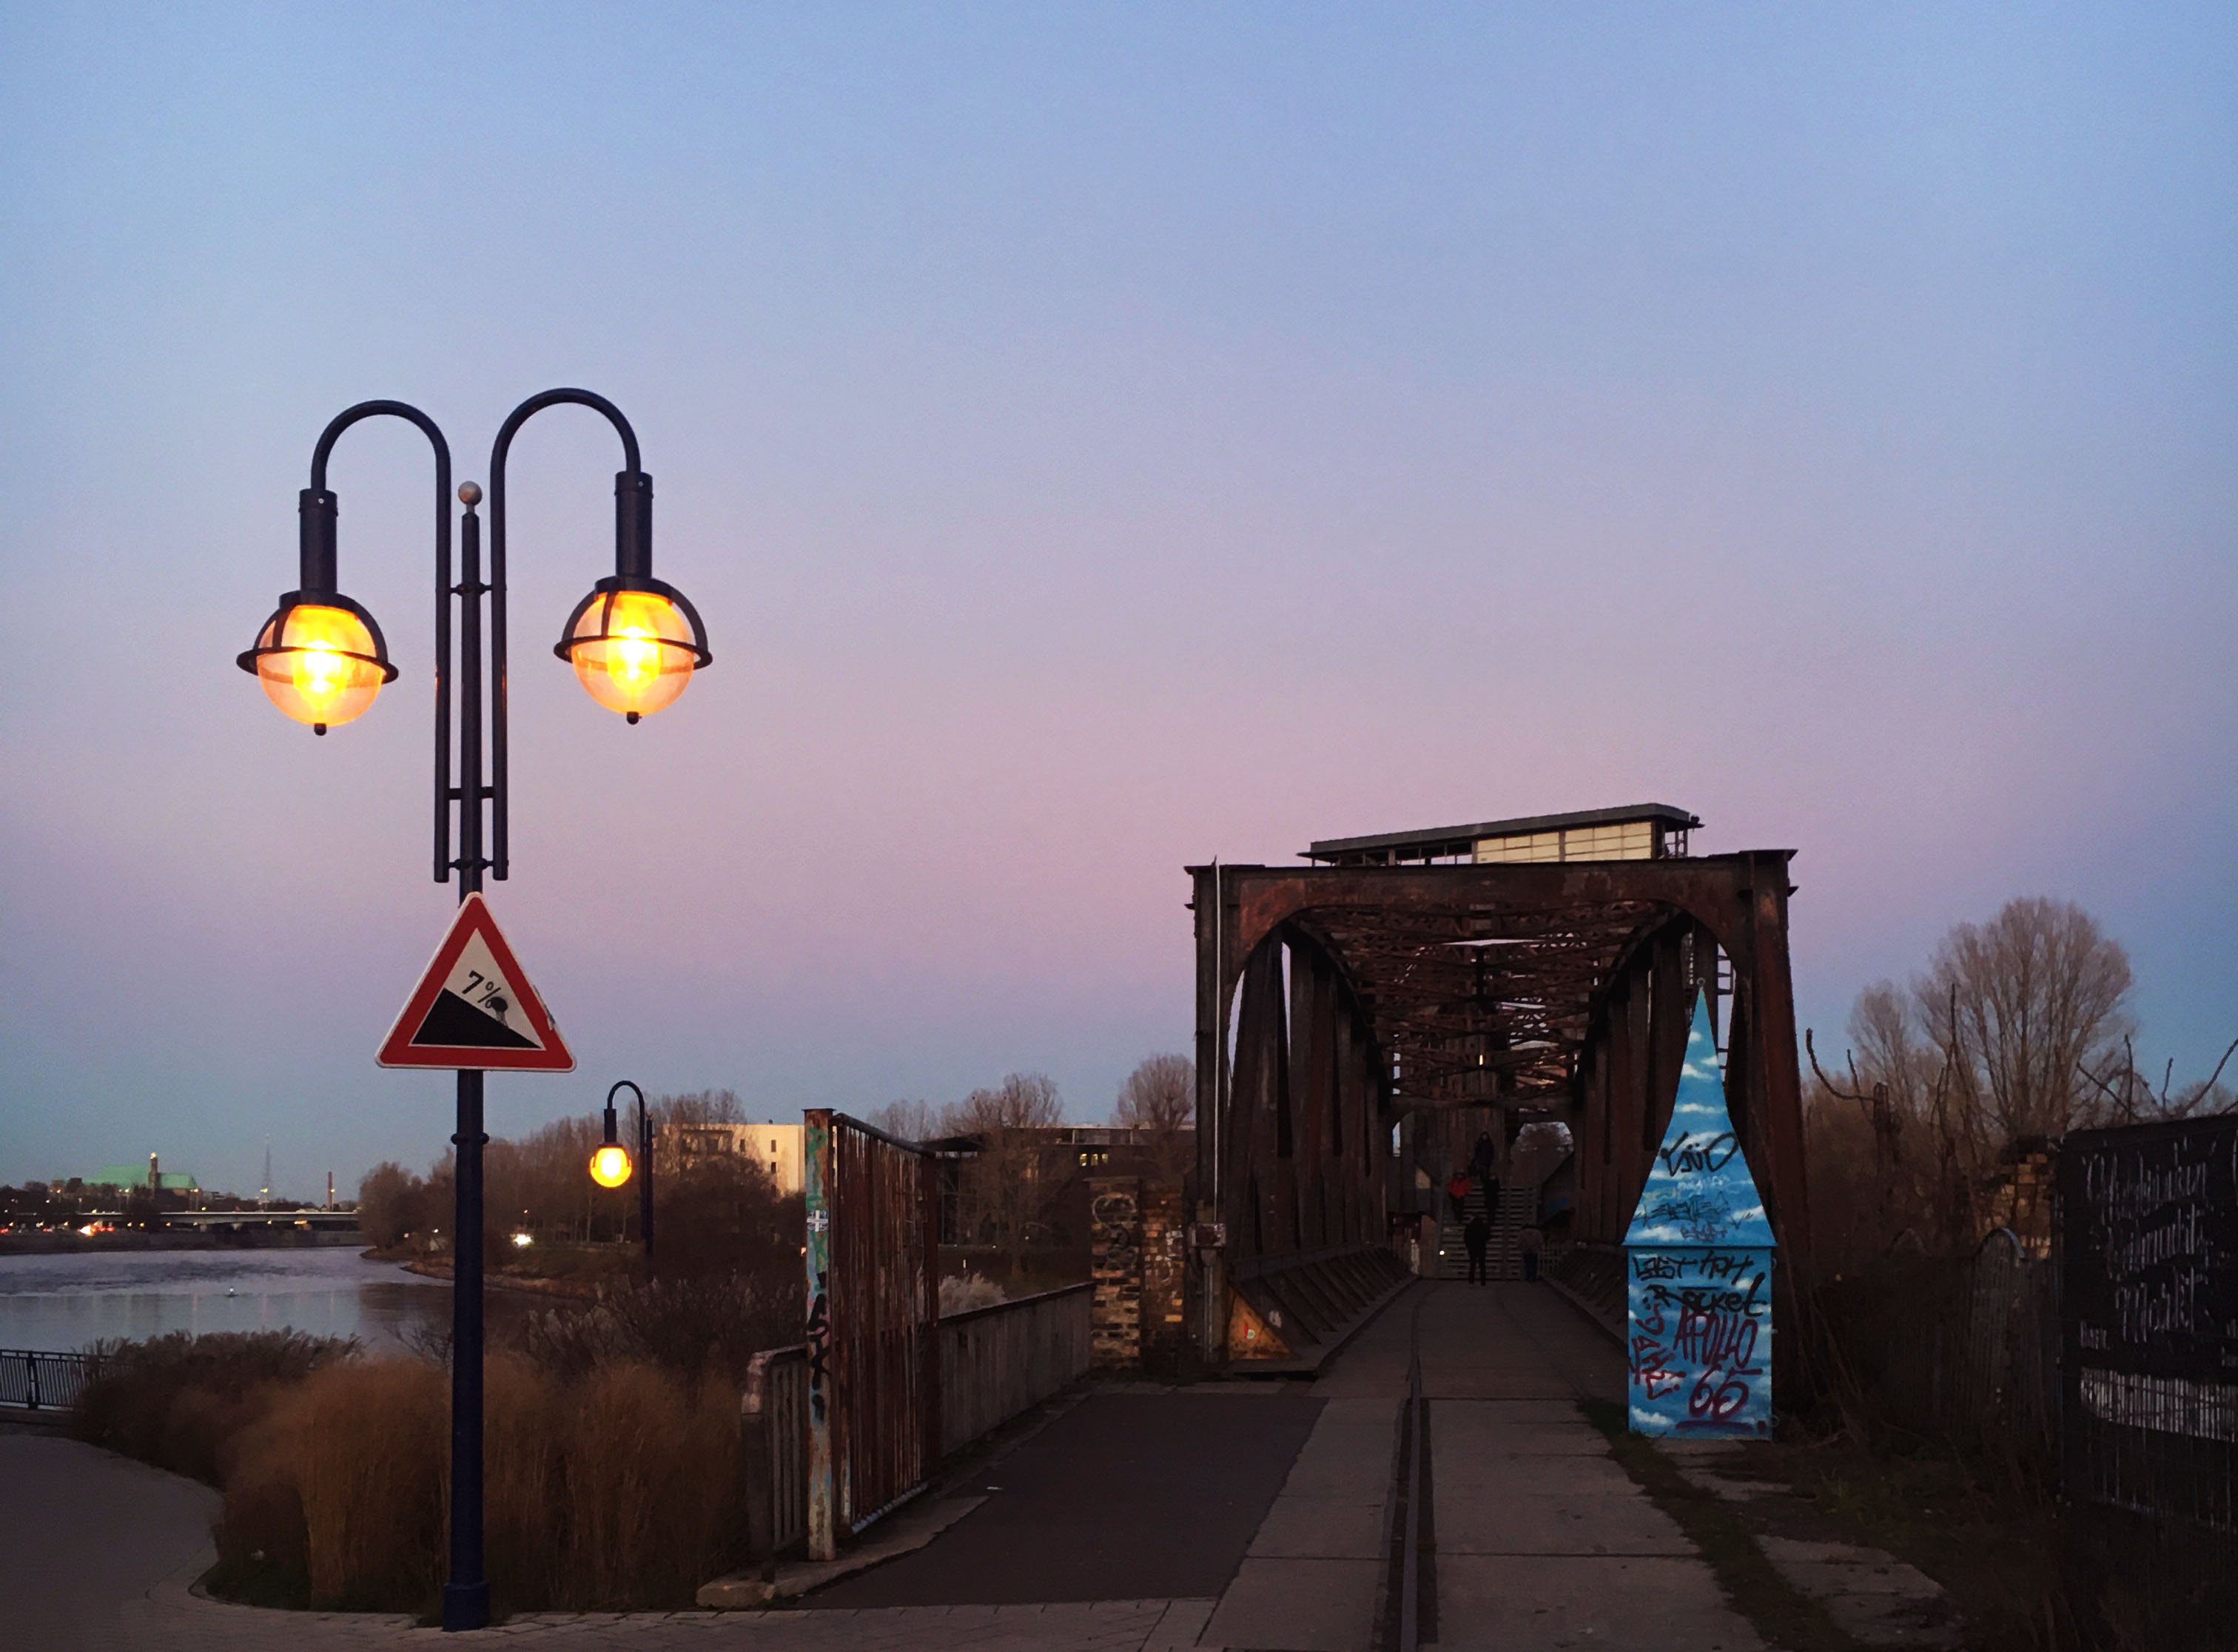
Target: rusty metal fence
[(873, 1261)]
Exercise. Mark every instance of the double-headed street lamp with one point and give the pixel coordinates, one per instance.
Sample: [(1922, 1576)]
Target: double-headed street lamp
[(610, 1162), (634, 643)]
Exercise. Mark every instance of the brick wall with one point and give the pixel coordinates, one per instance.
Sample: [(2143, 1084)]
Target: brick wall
[(1136, 1266)]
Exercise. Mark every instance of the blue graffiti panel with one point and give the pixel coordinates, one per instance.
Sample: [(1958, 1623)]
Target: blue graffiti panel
[(1700, 1346), (1699, 1190), (1698, 1269)]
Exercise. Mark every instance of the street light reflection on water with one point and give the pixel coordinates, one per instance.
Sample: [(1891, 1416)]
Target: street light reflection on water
[(62, 1302)]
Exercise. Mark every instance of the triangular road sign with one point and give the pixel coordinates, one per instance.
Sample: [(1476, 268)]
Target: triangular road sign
[(474, 1008)]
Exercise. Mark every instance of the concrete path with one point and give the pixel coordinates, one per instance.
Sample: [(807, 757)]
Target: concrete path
[(1542, 1541)]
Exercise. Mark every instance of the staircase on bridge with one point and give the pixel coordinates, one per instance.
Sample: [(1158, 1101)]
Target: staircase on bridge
[(1517, 1205)]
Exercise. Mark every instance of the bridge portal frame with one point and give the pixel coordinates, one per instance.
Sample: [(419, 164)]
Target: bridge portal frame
[(1588, 1023)]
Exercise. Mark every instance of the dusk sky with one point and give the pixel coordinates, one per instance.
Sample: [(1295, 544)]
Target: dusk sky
[(1098, 439)]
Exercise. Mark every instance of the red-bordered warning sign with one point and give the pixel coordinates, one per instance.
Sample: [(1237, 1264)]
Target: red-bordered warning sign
[(474, 1008)]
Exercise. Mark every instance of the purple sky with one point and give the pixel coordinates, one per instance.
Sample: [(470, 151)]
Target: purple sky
[(1098, 439)]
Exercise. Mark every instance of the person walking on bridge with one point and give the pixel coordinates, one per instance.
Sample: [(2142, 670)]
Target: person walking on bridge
[(1477, 1235), (1530, 1241), (1484, 1159)]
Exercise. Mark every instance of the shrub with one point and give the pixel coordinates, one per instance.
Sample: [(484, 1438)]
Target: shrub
[(615, 1489), (370, 1445), (696, 1326), (961, 1292), (649, 1466), (180, 1401)]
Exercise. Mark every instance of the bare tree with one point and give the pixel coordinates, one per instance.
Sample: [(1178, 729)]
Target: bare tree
[(2024, 1006), (1004, 1193), (698, 1107), (1022, 1101), (1159, 1097), (2018, 1029), (912, 1121)]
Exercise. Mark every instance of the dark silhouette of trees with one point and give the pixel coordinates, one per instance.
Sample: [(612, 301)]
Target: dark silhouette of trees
[(1159, 1097)]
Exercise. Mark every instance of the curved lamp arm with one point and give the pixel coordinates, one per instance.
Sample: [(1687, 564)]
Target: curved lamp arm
[(318, 510), (633, 538)]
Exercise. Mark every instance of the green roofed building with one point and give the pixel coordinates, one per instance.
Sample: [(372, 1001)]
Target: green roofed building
[(139, 1175)]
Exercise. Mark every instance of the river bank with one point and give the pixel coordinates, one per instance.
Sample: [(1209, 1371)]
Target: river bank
[(71, 1242)]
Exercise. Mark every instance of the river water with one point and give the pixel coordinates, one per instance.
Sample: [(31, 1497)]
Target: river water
[(62, 1302)]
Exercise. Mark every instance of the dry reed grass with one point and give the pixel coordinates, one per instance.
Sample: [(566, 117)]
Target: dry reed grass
[(370, 1453), (650, 1468), (616, 1489), (181, 1401)]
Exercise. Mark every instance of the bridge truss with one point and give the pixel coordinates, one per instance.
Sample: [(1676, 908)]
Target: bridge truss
[(1334, 1001)]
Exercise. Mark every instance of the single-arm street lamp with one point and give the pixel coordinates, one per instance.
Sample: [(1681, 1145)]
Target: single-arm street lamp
[(634, 643), (610, 1162)]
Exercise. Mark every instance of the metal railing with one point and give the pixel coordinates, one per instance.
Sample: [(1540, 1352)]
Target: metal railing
[(34, 1381), (997, 1361), (774, 1417)]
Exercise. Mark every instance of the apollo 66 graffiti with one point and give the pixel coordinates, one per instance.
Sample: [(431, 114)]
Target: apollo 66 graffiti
[(1698, 1258)]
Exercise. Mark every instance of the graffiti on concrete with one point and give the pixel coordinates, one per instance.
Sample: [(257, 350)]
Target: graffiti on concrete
[(1699, 1257)]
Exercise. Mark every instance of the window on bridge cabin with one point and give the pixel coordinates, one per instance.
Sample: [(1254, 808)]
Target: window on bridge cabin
[(1619, 840)]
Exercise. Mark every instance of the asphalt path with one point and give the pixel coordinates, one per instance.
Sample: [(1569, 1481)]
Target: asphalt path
[(1125, 1496), (89, 1531)]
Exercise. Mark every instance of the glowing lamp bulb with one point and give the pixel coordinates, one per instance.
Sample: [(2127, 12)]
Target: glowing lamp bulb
[(610, 1165), (632, 651), (320, 664)]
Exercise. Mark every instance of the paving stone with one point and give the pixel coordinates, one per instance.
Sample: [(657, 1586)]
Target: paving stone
[(1870, 1595), (1563, 1603), (1299, 1605), (1555, 1523)]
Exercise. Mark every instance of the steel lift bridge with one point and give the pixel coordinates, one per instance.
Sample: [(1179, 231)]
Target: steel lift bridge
[(1420, 987)]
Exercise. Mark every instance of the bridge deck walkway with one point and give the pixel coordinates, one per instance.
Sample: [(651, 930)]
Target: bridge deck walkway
[(1541, 1539)]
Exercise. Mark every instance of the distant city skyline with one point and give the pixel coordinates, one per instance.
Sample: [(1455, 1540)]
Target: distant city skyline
[(1098, 439)]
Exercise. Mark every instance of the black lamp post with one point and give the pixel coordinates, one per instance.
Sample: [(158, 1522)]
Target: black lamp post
[(610, 1165), (634, 643)]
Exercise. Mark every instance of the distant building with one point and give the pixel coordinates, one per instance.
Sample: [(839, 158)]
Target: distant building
[(131, 1175), (776, 1148)]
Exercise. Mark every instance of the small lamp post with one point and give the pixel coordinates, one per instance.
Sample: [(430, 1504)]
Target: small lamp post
[(610, 1164), (634, 643)]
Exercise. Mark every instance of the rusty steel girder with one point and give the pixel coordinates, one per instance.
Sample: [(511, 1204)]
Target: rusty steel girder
[(1564, 987)]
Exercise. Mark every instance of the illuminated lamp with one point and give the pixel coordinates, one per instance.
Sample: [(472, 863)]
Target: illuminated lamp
[(320, 657), (635, 640), (634, 644), (610, 1165)]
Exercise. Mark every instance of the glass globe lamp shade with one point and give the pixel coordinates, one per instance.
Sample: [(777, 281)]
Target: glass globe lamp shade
[(633, 650), (320, 663), (610, 1165)]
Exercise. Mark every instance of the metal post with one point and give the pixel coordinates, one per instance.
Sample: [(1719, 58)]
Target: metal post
[(644, 1184), (823, 1486), (465, 1597)]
